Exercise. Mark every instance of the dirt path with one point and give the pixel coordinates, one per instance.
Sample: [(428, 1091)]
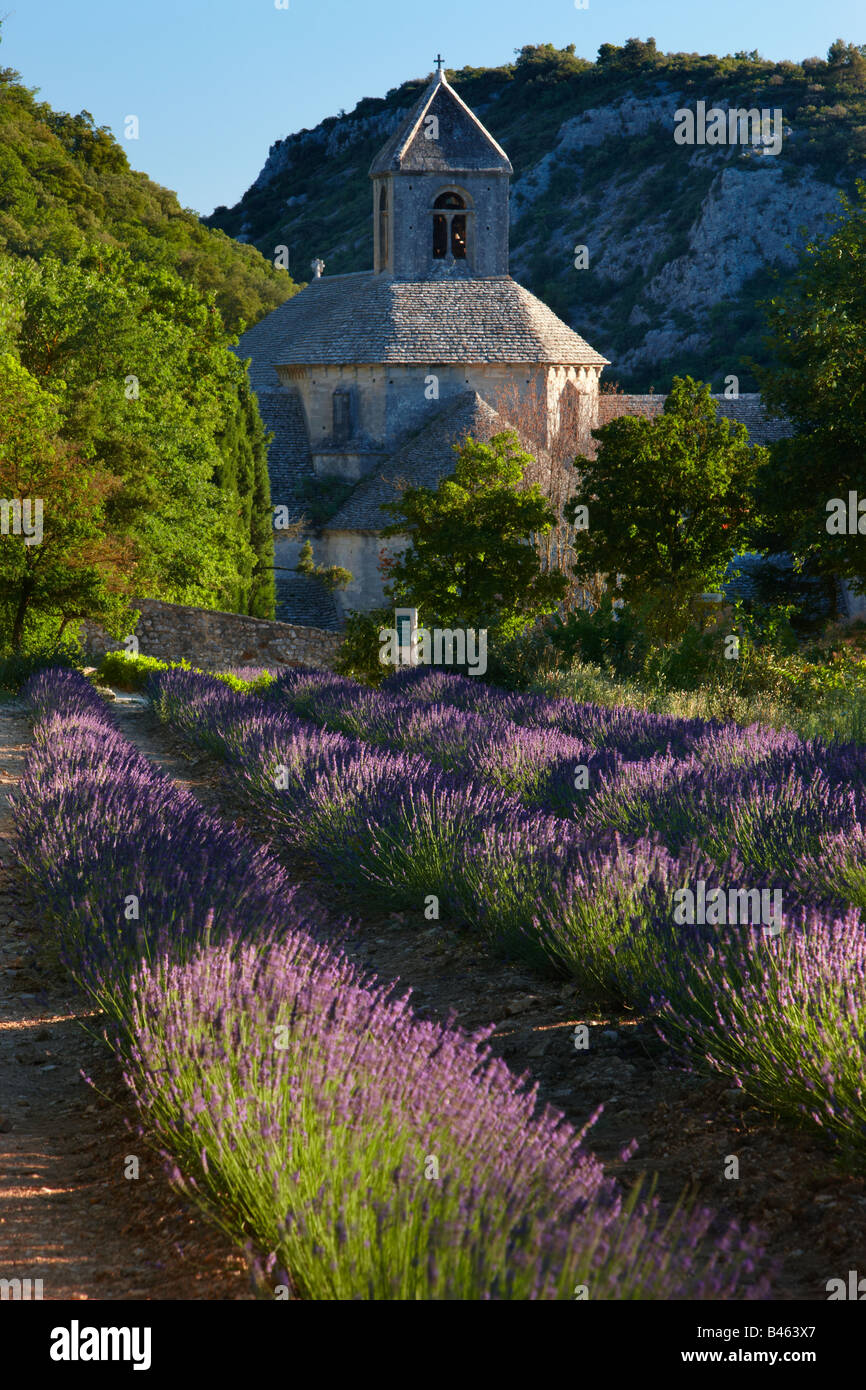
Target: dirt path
[(68, 1216), (812, 1216)]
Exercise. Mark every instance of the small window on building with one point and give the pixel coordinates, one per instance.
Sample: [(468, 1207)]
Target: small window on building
[(342, 415), (449, 227), (384, 250)]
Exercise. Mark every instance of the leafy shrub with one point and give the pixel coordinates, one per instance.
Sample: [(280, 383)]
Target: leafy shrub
[(359, 654), (247, 678), (16, 668), (130, 672), (687, 663), (612, 639), (521, 661), (134, 672)]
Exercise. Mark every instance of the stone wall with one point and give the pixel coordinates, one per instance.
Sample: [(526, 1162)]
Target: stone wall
[(410, 199), (213, 640), (391, 399), (358, 551), (746, 408)]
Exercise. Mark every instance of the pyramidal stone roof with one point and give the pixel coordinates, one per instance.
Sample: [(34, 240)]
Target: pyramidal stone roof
[(341, 319), (461, 141), (422, 459)]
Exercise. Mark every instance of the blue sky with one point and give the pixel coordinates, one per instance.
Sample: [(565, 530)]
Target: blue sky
[(215, 82)]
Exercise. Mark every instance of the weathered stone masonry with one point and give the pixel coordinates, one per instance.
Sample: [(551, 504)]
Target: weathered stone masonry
[(213, 640)]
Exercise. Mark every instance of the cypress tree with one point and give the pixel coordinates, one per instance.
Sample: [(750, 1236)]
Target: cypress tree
[(244, 474)]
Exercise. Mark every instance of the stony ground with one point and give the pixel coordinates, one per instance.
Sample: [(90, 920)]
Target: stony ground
[(68, 1215)]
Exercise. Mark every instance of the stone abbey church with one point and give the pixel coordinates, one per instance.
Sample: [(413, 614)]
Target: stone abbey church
[(371, 378)]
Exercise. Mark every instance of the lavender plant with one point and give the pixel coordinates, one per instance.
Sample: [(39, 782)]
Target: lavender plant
[(128, 866), (783, 1016), (375, 1156), (598, 901), (365, 1153)]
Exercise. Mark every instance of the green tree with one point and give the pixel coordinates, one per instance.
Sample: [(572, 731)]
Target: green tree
[(243, 474), (632, 57), (59, 560), (817, 327), (665, 504), (471, 561), (333, 577), (850, 58), (150, 392)]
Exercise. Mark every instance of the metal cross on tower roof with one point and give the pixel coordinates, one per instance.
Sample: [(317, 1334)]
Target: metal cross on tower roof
[(439, 61)]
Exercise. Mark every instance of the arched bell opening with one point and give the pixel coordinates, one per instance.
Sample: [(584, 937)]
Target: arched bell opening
[(450, 227)]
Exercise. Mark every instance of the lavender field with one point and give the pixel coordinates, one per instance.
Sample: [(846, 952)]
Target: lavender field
[(300, 1102), (438, 786), (705, 874)]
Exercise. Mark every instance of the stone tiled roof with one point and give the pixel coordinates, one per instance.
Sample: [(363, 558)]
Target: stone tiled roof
[(289, 460), (303, 600), (256, 344), (423, 458), (746, 409), (374, 318), (462, 143)]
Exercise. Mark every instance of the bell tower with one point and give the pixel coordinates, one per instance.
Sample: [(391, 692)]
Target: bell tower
[(440, 193)]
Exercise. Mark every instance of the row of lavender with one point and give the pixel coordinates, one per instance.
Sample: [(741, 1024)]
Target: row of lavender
[(785, 807), (358, 1151), (781, 1008)]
